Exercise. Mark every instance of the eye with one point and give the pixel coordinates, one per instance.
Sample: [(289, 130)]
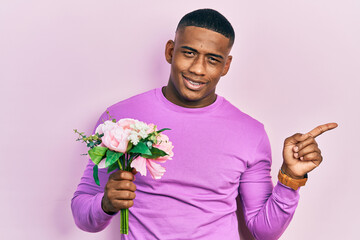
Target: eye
[(188, 53), (213, 60)]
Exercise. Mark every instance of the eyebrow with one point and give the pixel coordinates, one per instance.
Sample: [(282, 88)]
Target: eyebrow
[(194, 50)]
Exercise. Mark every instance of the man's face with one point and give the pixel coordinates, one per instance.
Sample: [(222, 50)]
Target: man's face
[(198, 58)]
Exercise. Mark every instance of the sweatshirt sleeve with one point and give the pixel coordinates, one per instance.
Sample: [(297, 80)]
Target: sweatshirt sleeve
[(268, 210), (86, 203)]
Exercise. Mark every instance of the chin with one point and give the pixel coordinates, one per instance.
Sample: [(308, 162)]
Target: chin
[(191, 96)]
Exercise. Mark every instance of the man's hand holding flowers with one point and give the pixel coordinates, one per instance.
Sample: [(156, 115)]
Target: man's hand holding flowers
[(127, 145)]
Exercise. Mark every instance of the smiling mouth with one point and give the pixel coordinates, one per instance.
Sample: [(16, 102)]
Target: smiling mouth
[(193, 85)]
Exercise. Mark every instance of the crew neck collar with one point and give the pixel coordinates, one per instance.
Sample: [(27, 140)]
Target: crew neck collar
[(177, 108)]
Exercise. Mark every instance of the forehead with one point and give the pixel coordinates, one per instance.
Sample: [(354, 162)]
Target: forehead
[(203, 40)]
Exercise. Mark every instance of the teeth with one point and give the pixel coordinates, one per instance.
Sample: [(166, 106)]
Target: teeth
[(194, 83)]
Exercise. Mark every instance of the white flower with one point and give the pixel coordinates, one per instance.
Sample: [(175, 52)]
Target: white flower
[(105, 127), (138, 131), (134, 139)]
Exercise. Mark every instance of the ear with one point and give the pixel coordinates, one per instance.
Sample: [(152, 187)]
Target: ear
[(227, 65), (169, 50)]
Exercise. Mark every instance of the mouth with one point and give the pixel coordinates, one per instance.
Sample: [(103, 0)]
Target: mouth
[(192, 84)]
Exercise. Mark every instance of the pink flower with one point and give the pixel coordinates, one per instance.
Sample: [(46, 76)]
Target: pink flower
[(126, 123), (152, 128), (115, 137), (155, 169), (164, 144), (140, 164)]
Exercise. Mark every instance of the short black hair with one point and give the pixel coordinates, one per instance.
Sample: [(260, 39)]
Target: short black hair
[(209, 19)]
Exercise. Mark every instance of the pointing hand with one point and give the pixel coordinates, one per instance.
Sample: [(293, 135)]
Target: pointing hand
[(301, 153)]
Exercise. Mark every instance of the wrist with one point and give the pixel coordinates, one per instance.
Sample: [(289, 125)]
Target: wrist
[(291, 182), (103, 207), (285, 170)]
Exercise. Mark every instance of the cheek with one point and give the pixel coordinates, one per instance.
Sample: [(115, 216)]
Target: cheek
[(177, 69), (215, 73), (175, 72), (181, 63)]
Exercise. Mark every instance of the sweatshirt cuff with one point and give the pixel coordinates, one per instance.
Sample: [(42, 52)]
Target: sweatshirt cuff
[(98, 212), (286, 194)]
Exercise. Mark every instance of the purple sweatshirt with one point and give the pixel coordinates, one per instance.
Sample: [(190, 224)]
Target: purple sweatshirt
[(219, 152)]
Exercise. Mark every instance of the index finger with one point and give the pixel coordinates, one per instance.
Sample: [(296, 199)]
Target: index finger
[(321, 129)]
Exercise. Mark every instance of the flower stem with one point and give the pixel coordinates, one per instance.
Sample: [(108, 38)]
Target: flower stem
[(130, 161), (120, 167), (124, 221)]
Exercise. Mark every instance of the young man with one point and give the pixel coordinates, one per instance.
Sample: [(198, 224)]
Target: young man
[(219, 152)]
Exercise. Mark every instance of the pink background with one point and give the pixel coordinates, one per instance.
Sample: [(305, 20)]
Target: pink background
[(296, 65)]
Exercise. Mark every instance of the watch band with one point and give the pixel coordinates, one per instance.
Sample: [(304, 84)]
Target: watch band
[(291, 182)]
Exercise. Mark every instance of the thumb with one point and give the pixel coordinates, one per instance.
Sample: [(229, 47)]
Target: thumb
[(133, 170)]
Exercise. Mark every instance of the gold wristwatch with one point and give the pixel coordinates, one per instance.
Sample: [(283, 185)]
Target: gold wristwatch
[(291, 182)]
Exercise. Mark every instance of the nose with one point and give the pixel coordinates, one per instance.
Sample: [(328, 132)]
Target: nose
[(198, 66)]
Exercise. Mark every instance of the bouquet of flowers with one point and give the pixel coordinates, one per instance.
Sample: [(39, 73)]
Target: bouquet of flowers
[(126, 144)]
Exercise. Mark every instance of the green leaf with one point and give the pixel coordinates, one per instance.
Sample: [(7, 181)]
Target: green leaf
[(155, 153), (141, 148), (113, 167), (161, 130), (130, 145), (112, 157), (97, 153), (96, 174)]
